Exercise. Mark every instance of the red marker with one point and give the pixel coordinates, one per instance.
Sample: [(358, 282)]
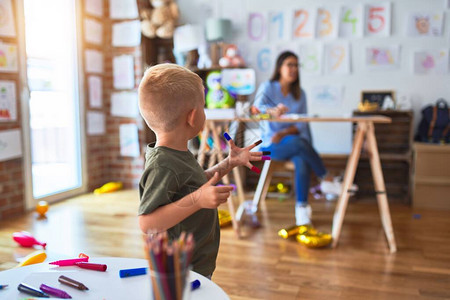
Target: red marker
[(91, 266)]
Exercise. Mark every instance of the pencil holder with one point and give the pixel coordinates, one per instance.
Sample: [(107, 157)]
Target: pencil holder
[(170, 286)]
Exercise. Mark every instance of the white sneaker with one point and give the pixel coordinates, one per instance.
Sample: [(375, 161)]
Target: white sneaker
[(335, 187), (302, 214)]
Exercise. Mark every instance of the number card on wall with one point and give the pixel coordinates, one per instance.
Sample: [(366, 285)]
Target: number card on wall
[(6, 19), (279, 29), (8, 58), (337, 58), (431, 62), (257, 27), (327, 22), (311, 59), (383, 58), (263, 58), (425, 24), (351, 21), (8, 100), (304, 24), (378, 19)]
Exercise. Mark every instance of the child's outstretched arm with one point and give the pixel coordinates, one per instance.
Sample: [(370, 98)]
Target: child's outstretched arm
[(238, 157), (167, 216)]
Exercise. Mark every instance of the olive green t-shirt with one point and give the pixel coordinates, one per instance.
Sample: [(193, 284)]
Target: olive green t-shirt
[(169, 176)]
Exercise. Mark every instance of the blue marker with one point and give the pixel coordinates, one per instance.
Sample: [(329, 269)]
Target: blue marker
[(227, 136), (2, 286), (195, 284), (132, 272)]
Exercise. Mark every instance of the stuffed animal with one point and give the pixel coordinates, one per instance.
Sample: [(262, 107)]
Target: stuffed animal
[(231, 58), (160, 20), (217, 96)]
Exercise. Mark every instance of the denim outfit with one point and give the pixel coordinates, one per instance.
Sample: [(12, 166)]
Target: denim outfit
[(296, 148)]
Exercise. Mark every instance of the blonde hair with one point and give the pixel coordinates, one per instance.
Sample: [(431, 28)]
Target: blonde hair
[(166, 93)]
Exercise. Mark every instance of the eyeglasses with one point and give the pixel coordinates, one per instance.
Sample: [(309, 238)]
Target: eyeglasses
[(291, 65)]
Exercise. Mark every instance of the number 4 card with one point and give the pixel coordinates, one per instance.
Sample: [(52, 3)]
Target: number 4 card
[(351, 21), (378, 19)]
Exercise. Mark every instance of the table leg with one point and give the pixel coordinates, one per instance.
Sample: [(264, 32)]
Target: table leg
[(225, 178), (380, 189), (350, 171)]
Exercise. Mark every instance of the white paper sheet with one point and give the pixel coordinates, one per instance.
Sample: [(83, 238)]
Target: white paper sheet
[(431, 62), (351, 21), (304, 24), (126, 34), (8, 110), (123, 9), (95, 123), (8, 58), (383, 58), (93, 31), (94, 61), (378, 19), (129, 140), (123, 72), (94, 7), (311, 59), (330, 95), (95, 91), (125, 104), (10, 144), (337, 58), (327, 22), (6, 19), (425, 24)]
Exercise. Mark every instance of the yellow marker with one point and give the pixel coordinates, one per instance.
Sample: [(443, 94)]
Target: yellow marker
[(35, 257), (285, 233)]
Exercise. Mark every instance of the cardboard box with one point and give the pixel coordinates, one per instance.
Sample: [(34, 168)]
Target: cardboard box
[(431, 176)]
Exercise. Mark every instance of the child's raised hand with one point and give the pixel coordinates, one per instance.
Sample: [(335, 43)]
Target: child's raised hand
[(243, 156), (211, 196)]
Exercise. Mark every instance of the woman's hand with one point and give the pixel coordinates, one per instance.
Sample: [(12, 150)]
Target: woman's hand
[(278, 110)]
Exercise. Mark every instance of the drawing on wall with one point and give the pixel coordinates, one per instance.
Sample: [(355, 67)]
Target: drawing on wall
[(425, 24), (8, 58), (123, 72), (125, 104), (431, 62), (327, 22), (123, 9), (6, 19), (330, 95), (126, 34), (337, 58), (239, 81), (95, 123), (378, 19), (95, 91), (311, 59), (10, 144), (129, 140), (93, 31), (351, 21), (383, 58), (7, 101)]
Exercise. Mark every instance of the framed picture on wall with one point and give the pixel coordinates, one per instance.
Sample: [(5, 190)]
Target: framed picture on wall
[(377, 100)]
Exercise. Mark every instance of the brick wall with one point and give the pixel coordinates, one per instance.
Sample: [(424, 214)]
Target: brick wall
[(104, 162)]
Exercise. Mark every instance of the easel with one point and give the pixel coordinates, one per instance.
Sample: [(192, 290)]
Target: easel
[(217, 156)]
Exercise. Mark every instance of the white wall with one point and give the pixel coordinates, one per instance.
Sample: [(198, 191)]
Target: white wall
[(419, 89)]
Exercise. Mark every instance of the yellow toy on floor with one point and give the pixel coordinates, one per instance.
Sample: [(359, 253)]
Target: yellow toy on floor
[(35, 257), (108, 188), (224, 218), (307, 235)]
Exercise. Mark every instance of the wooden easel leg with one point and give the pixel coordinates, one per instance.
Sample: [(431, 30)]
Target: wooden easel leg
[(380, 188), (226, 180), (350, 171), (203, 142)]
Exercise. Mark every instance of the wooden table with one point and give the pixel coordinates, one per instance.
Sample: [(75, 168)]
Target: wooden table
[(364, 132)]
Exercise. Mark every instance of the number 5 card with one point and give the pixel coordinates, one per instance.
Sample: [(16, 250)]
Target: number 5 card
[(378, 19)]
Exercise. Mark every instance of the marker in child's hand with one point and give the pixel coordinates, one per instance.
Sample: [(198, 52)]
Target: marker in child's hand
[(266, 152), (227, 136), (258, 142), (256, 170), (265, 157)]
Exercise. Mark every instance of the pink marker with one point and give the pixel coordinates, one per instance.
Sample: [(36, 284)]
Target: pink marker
[(69, 262)]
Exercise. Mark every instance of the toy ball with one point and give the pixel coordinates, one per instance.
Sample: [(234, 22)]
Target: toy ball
[(42, 207)]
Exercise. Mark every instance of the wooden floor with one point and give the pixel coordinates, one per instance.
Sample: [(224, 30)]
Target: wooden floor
[(261, 265)]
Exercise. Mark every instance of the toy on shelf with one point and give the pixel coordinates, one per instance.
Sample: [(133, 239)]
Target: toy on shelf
[(42, 208), (108, 188), (159, 21), (35, 257), (25, 239), (217, 96), (231, 59)]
